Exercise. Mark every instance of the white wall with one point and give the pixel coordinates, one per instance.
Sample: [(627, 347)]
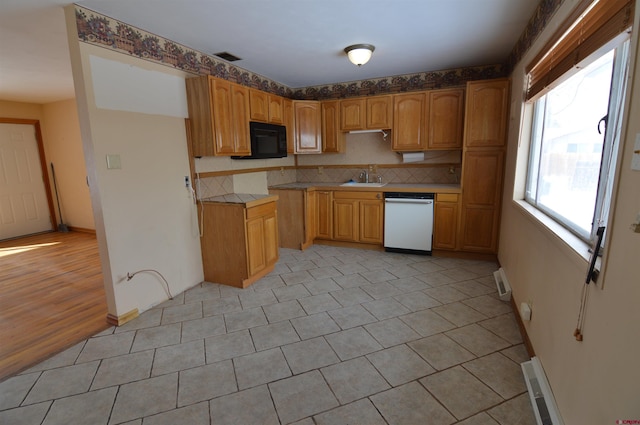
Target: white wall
[(595, 381), (63, 146), (144, 216)]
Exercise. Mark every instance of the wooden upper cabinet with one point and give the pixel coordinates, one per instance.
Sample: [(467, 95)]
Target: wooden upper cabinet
[(307, 127), (486, 113), (219, 117), (379, 112), (369, 113), (259, 102), (240, 115), (223, 118), (266, 107), (332, 137), (353, 114), (444, 121), (287, 121), (408, 122), (276, 111)]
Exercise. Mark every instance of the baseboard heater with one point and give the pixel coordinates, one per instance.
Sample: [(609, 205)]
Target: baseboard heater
[(504, 290), (542, 401)]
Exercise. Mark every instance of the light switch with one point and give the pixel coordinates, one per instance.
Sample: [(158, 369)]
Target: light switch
[(635, 161), (113, 162)]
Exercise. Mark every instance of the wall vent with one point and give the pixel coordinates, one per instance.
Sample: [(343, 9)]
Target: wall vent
[(542, 401), (504, 290)]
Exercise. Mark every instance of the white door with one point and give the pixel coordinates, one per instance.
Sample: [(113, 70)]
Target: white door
[(23, 201)]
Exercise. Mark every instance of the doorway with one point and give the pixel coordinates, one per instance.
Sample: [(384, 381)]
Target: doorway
[(26, 204)]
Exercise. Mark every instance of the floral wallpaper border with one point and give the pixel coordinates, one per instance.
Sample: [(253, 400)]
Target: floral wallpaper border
[(94, 28)]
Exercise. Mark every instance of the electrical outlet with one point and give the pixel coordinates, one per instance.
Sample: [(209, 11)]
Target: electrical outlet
[(320, 170), (187, 182), (282, 171)]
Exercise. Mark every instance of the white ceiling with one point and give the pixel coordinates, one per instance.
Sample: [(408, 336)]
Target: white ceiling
[(298, 43)]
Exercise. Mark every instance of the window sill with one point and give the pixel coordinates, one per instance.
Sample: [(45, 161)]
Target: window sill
[(546, 223)]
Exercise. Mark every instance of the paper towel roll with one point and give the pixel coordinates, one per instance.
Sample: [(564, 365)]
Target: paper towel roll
[(412, 156)]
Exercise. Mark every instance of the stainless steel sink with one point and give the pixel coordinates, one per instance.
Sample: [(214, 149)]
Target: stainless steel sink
[(355, 184)]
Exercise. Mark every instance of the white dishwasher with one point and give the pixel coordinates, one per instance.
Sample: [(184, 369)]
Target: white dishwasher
[(408, 222)]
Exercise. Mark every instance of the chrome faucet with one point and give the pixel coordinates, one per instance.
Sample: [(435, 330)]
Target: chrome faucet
[(364, 176)]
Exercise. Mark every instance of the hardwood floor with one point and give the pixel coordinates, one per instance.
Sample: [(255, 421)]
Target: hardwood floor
[(51, 297)]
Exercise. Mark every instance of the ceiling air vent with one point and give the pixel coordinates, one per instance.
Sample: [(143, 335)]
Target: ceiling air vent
[(227, 56)]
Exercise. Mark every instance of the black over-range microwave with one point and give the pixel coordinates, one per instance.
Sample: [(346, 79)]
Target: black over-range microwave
[(267, 141)]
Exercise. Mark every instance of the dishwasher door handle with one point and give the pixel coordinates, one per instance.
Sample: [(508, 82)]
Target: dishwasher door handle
[(407, 201)]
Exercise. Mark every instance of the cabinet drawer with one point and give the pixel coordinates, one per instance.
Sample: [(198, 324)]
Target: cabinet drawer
[(261, 210), (357, 195), (447, 197)]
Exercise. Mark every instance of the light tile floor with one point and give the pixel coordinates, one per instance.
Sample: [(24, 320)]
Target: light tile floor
[(332, 336)]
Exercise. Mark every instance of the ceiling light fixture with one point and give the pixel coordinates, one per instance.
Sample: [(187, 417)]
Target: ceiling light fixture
[(359, 54)]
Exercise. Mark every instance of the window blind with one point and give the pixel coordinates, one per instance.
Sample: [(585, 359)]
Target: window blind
[(590, 26)]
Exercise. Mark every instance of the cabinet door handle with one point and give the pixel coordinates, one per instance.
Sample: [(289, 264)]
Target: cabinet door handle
[(378, 196)]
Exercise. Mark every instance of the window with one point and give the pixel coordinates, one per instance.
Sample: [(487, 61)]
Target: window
[(577, 86), (574, 144)]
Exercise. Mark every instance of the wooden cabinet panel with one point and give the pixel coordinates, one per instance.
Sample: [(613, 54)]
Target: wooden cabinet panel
[(375, 112), (445, 222), (482, 188), (276, 112), (408, 122), (482, 177), (379, 112), (346, 220), (371, 221), (287, 121), (239, 245), (256, 258), (259, 102), (486, 113), (240, 124), (311, 219), (270, 229), (479, 232), (291, 225), (444, 122), (200, 104), (266, 107), (358, 217), (324, 217), (222, 117), (332, 137), (219, 117), (353, 114), (307, 127)]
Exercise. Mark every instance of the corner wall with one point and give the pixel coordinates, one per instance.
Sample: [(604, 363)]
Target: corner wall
[(595, 381), (145, 218)]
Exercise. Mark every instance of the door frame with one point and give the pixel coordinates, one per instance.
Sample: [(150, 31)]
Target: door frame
[(43, 164)]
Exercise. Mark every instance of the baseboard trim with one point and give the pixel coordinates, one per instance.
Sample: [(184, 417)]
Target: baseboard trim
[(82, 230), (523, 330), (121, 320)]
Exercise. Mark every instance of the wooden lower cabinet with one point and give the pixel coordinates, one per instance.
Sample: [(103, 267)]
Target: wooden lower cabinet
[(239, 243), (482, 188), (324, 215), (445, 221), (296, 217), (358, 217)]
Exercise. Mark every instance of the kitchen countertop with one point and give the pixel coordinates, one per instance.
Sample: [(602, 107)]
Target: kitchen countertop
[(247, 199), (389, 187)]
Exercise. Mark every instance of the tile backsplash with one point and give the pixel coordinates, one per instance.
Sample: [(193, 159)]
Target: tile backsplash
[(208, 187)]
